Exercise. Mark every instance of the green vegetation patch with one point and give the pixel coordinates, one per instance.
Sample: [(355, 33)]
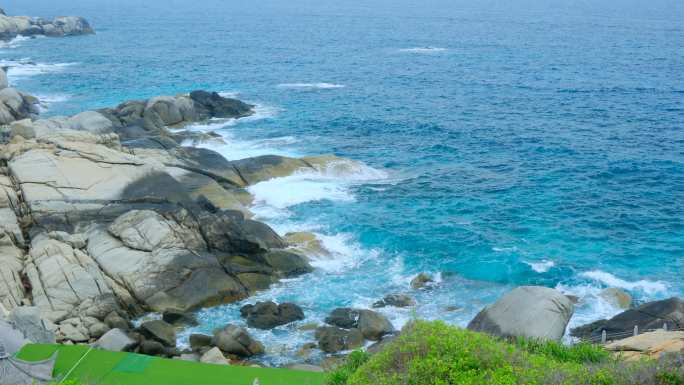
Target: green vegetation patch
[(100, 367), (434, 353)]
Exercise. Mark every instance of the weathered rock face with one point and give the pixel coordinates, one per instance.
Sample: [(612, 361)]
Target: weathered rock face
[(649, 345), (235, 340), (13, 26), (267, 315), (159, 331), (651, 315), (15, 105), (115, 340), (529, 311), (374, 325)]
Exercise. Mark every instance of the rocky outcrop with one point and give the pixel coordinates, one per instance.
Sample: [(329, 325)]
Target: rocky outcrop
[(14, 104), (94, 228), (648, 316), (648, 345), (267, 315), (13, 26), (350, 327), (527, 311)]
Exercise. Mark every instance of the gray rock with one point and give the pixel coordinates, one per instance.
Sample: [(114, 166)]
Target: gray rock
[(528, 311), (396, 300), (267, 315), (214, 356), (344, 317), (115, 321), (115, 340), (199, 341), (159, 330), (235, 340), (374, 325), (178, 317), (287, 264), (27, 319), (651, 315), (193, 357), (152, 348), (229, 231), (3, 79), (333, 339), (214, 105), (306, 368), (97, 329)]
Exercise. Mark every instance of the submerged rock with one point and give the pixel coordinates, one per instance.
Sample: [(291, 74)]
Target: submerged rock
[(617, 297), (396, 300), (421, 281), (526, 311), (267, 315)]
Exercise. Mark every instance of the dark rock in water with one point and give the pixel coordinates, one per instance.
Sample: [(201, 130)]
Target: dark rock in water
[(651, 315), (267, 315), (235, 340), (374, 325), (526, 311), (396, 300), (151, 348), (333, 339), (199, 341), (287, 264), (256, 281), (230, 232), (159, 331), (422, 280), (178, 317), (211, 104), (343, 317)]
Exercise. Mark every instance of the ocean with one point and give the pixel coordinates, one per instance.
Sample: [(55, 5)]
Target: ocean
[(506, 143)]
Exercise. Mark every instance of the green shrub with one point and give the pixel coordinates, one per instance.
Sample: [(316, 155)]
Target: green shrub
[(434, 353)]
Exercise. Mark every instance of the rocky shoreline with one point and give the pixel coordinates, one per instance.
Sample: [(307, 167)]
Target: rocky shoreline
[(106, 216), (13, 26)]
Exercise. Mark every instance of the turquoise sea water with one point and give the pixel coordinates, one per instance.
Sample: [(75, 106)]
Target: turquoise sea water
[(507, 143)]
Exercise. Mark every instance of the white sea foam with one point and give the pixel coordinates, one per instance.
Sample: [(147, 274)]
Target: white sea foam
[(648, 287), (591, 306), (311, 86), (15, 42), (427, 49), (332, 182), (46, 100), (25, 68), (542, 266)]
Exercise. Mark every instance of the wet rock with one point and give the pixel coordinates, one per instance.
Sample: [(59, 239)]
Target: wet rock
[(648, 316), (421, 281), (343, 317), (115, 321), (214, 105), (235, 340), (115, 340), (229, 231), (373, 325), (159, 331), (529, 311), (332, 339), (178, 317), (306, 243), (267, 315), (396, 300), (287, 264)]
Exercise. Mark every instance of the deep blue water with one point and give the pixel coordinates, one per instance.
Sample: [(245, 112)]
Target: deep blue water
[(530, 133)]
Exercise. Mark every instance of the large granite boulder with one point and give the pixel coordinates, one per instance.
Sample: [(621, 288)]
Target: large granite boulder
[(236, 340), (115, 340), (526, 311), (267, 315), (212, 104), (159, 331), (15, 105), (648, 316)]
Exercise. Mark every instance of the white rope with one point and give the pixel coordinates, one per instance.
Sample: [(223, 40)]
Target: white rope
[(75, 365)]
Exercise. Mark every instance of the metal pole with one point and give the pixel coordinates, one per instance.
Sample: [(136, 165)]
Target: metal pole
[(665, 326), (603, 336), (636, 330)]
